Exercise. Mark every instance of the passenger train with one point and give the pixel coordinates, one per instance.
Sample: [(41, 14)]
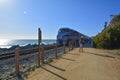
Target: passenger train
[(66, 34)]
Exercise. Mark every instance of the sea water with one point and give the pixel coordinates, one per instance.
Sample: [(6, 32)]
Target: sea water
[(4, 43)]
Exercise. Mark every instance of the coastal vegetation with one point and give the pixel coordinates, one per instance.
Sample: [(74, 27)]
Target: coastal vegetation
[(109, 37)]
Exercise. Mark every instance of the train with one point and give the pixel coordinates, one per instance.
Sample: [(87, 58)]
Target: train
[(66, 34)]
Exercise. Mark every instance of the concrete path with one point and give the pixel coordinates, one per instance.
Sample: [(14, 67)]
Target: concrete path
[(92, 64)]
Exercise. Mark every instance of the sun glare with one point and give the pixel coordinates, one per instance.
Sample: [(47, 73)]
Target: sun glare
[(3, 41), (5, 2)]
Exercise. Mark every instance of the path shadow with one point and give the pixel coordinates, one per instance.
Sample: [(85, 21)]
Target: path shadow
[(108, 56), (54, 73), (68, 59), (75, 54), (56, 67)]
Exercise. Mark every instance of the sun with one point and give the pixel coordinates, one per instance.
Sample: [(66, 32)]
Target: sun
[(5, 2)]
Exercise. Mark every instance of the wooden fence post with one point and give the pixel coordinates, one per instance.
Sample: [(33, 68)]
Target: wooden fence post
[(69, 45), (75, 44), (72, 44), (42, 56), (55, 50), (39, 45), (64, 48), (17, 59)]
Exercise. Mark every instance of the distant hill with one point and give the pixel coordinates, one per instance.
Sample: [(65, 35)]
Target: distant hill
[(109, 38)]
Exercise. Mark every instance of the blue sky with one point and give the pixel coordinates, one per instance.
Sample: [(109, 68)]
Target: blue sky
[(20, 19)]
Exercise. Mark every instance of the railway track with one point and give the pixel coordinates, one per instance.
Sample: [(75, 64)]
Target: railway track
[(22, 52)]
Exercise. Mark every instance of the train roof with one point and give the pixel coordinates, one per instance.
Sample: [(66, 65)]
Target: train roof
[(85, 36)]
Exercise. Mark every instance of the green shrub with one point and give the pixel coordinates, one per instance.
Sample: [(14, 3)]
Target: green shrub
[(50, 60), (33, 68), (25, 74), (23, 66), (108, 39)]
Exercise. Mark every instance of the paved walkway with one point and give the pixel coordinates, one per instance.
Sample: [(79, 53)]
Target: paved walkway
[(92, 64)]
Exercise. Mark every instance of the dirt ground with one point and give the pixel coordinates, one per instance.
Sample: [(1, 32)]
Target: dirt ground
[(92, 64)]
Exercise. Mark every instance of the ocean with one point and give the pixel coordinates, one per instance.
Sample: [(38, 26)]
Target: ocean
[(4, 43)]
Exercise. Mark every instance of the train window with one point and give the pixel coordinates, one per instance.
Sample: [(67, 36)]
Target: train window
[(59, 31), (63, 30)]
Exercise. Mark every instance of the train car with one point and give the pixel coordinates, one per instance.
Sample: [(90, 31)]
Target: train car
[(66, 34)]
